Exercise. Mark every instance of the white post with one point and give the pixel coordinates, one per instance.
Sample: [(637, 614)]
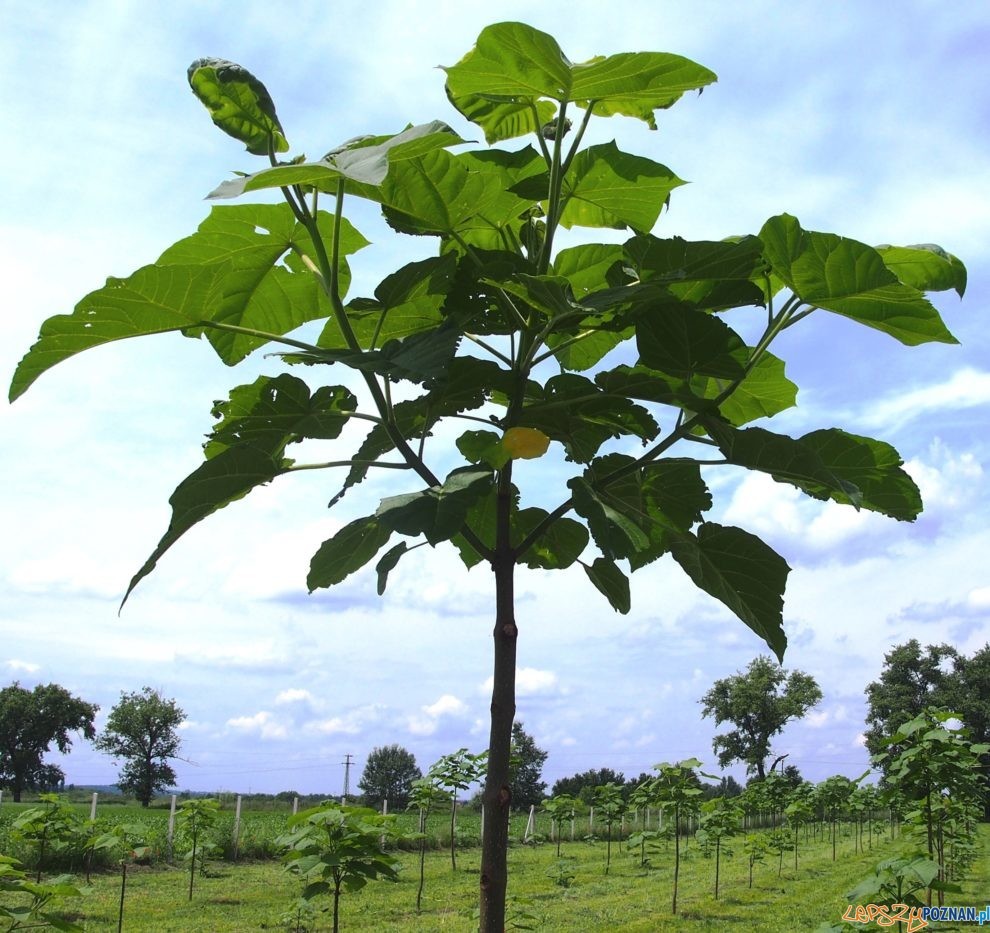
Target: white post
[(591, 821), (381, 839), (622, 825), (295, 805), (572, 829), (92, 808), (1, 798), (237, 826), (530, 826), (646, 824), (171, 827)]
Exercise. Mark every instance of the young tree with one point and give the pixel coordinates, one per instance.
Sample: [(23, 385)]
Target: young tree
[(142, 731), (527, 769), (759, 703), (30, 721), (911, 680), (479, 329), (388, 775)]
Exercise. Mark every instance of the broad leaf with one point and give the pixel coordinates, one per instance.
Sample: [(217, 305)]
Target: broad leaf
[(273, 412), (483, 447), (347, 551), (926, 267), (363, 162), (582, 417), (516, 66), (763, 393), (219, 481), (267, 288), (606, 187), (851, 279), (437, 513), (238, 103), (154, 300), (873, 467), (406, 302), (586, 267), (611, 582), (742, 572), (616, 535), (557, 548), (685, 343)]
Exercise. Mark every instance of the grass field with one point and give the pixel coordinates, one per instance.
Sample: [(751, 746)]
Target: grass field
[(258, 895)]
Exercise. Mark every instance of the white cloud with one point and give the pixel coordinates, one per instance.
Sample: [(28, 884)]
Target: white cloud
[(293, 695), (26, 666), (979, 598), (351, 723), (965, 388), (529, 682), (262, 723), (426, 722)]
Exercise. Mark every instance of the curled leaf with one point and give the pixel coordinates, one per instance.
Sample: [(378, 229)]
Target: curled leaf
[(238, 103)]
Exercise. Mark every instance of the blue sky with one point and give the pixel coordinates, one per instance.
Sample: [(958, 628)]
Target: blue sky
[(855, 120)]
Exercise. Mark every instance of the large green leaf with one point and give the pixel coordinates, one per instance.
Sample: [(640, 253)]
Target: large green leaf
[(406, 302), (851, 279), (684, 343), (515, 67), (238, 103), (437, 513), (582, 417), (266, 286), (586, 266), (436, 194), (764, 392), (927, 267), (557, 548), (742, 572), (363, 161), (224, 478), (616, 535), (606, 187), (273, 412), (611, 582), (154, 300), (347, 551), (873, 467)]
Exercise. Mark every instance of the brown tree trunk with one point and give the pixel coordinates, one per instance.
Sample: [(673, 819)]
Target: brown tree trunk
[(498, 795)]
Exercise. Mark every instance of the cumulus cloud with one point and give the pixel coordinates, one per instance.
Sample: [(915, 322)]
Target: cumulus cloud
[(427, 721), (24, 666), (261, 723)]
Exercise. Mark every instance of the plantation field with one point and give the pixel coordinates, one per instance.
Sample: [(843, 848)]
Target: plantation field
[(258, 895)]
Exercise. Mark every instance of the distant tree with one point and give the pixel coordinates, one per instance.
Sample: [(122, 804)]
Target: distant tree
[(142, 731), (793, 776), (527, 769), (580, 785), (968, 693), (759, 702), (911, 680), (729, 787), (388, 775), (30, 721)]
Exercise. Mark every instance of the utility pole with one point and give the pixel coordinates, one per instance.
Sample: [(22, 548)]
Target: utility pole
[(347, 775)]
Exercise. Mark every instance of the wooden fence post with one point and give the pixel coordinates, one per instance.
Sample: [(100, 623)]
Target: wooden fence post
[(92, 808), (171, 828), (237, 827)]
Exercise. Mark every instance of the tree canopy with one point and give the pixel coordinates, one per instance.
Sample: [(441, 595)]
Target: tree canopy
[(30, 722), (528, 788), (388, 775), (759, 702), (504, 328), (142, 731), (580, 785)]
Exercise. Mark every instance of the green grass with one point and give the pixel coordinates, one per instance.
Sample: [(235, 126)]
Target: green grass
[(255, 895)]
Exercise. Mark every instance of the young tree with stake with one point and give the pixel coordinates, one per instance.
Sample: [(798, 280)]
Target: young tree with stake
[(505, 329)]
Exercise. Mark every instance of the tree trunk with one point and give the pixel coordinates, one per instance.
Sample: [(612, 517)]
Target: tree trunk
[(498, 794)]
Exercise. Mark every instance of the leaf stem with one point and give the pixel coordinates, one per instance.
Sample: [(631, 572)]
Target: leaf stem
[(385, 465)]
